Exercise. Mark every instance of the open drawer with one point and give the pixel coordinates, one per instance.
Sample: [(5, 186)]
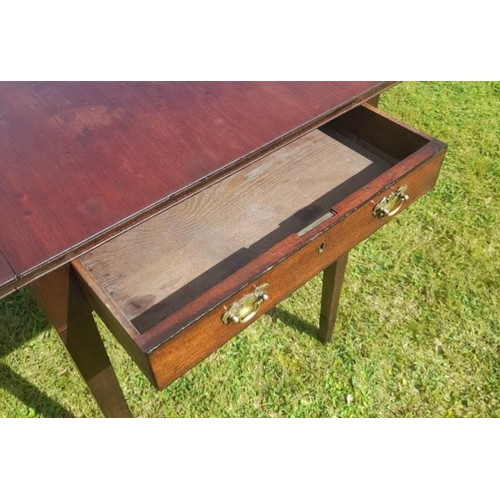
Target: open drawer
[(178, 286)]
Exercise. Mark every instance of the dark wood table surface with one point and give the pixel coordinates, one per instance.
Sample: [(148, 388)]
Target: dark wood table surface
[(82, 161)]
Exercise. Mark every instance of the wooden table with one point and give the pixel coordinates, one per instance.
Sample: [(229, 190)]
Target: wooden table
[(249, 188)]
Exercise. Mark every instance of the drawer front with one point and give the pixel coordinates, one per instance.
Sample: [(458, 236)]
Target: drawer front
[(175, 357)]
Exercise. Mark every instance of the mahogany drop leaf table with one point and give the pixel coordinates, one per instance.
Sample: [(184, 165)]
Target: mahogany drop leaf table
[(181, 212)]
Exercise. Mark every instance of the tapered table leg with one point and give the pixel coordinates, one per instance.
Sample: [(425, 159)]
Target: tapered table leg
[(333, 277), (61, 298)]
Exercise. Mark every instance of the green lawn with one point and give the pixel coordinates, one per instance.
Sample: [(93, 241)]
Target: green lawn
[(418, 332)]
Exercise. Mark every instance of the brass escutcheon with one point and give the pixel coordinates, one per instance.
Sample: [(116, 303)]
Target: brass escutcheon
[(390, 205), (246, 308)]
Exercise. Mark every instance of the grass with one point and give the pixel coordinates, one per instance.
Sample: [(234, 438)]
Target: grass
[(418, 331)]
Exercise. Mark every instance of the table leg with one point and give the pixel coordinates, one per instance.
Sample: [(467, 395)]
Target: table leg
[(333, 277), (62, 300)]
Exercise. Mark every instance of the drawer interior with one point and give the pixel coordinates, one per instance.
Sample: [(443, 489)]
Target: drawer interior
[(164, 263)]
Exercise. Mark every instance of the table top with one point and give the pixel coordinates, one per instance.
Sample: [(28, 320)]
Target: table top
[(82, 161)]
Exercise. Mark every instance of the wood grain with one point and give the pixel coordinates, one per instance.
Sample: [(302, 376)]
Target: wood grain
[(118, 151), (163, 264)]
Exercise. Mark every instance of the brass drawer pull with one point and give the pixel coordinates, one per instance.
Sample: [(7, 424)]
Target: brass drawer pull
[(390, 205), (245, 309)]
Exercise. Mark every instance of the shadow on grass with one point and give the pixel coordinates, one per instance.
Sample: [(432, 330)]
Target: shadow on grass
[(21, 321), (293, 321), (30, 395)]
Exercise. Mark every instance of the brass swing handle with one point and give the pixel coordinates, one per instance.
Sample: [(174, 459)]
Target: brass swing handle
[(390, 205), (246, 308)]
